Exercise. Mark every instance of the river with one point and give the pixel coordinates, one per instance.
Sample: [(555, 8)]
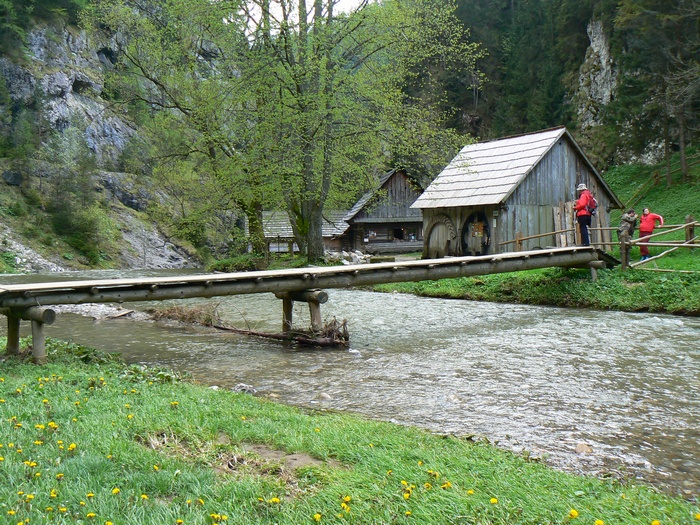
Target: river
[(622, 388)]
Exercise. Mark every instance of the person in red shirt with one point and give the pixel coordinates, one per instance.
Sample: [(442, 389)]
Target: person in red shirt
[(646, 227), (583, 213)]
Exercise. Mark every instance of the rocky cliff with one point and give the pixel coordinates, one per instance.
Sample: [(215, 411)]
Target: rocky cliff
[(56, 82)]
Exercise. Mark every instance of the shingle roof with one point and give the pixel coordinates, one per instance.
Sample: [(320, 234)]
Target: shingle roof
[(488, 172), (276, 224)]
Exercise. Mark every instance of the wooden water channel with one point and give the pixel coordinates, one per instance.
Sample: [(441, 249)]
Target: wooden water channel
[(32, 302)]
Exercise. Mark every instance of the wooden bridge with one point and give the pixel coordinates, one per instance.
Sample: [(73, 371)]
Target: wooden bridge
[(32, 301)]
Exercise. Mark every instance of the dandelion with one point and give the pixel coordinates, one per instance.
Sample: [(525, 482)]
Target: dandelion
[(38, 442), (493, 501), (127, 405), (408, 513), (49, 509), (200, 501), (599, 522), (697, 515), (39, 426), (156, 468), (656, 522), (116, 490), (62, 509), (573, 513), (11, 512), (90, 515), (72, 447), (52, 425), (470, 491), (371, 445), (144, 497), (60, 476), (179, 521), (317, 517), (174, 404), (446, 485), (274, 500), (347, 499), (108, 523), (345, 506), (317, 429), (427, 486), (82, 503), (406, 495), (243, 418), (90, 494), (130, 416), (53, 493), (389, 472)]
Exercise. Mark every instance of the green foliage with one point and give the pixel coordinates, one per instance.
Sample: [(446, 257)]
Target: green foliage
[(7, 262), (241, 263)]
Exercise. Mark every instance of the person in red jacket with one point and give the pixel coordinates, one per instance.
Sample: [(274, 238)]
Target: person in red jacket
[(583, 212), (646, 227)]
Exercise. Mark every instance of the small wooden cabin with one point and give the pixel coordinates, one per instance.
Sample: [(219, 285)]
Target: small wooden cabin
[(280, 237), (510, 194), (383, 221)]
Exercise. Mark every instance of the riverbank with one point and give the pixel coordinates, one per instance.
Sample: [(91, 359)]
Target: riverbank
[(631, 291), (89, 439)]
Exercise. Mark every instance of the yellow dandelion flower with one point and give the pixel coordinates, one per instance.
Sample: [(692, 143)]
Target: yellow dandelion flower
[(493, 501), (11, 512), (116, 490), (30, 497), (697, 515), (371, 445), (389, 472), (599, 522), (317, 429), (130, 416), (39, 426), (200, 501), (156, 467), (573, 513), (317, 517), (2, 458), (274, 500), (108, 523), (72, 447), (90, 515), (62, 509), (656, 522), (44, 401), (446, 485), (60, 475), (406, 495), (82, 503), (49, 509), (38, 442), (243, 418), (127, 405), (404, 482), (144, 497), (470, 491), (408, 513), (90, 494), (428, 486), (53, 493), (179, 521)]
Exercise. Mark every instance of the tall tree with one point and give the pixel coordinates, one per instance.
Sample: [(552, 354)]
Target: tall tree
[(659, 41), (290, 101)]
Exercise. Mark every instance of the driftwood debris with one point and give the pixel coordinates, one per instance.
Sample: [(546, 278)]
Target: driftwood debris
[(334, 333)]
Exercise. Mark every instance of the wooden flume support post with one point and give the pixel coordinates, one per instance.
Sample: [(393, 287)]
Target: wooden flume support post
[(314, 298), (39, 317)]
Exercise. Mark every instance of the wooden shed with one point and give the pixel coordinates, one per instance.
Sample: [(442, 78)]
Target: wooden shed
[(493, 194), (383, 221)]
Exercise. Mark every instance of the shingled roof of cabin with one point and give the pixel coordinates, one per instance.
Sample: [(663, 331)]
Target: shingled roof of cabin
[(276, 224), (487, 173)]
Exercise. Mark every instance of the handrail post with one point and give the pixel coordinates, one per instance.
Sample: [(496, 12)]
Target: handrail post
[(518, 241), (690, 228)]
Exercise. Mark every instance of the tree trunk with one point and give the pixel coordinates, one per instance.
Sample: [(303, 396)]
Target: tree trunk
[(681, 142), (314, 237), (667, 138), (256, 234)]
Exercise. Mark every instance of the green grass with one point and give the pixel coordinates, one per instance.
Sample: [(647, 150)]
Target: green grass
[(87, 439)]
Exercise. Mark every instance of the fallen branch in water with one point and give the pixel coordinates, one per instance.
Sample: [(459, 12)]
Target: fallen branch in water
[(333, 334)]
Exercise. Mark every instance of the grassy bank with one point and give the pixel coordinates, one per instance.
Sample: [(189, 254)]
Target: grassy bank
[(634, 291), (87, 439)]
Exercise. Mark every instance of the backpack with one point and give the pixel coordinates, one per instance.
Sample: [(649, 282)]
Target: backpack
[(592, 205)]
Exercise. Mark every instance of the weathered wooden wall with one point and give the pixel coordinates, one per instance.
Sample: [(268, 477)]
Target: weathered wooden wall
[(541, 203)]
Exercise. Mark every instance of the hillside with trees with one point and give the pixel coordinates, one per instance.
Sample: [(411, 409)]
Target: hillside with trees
[(198, 116)]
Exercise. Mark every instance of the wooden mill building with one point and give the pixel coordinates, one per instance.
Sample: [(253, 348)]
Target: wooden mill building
[(383, 221), (512, 193)]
